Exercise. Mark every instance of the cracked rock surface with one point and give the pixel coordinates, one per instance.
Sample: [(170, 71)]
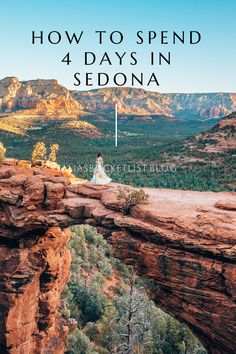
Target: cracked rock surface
[(183, 240)]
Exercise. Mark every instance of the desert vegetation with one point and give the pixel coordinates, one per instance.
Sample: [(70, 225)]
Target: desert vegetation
[(2, 153), (41, 157), (111, 306), (15, 123), (129, 197), (39, 154), (161, 143)]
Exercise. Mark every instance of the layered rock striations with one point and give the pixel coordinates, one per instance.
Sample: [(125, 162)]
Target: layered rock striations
[(37, 97), (34, 268), (141, 102), (183, 240), (34, 271), (47, 98)]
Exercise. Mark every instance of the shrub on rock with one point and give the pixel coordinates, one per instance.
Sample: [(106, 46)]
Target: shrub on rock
[(39, 154), (53, 154), (2, 153), (129, 197)]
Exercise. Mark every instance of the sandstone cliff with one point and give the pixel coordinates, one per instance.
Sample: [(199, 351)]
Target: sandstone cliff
[(37, 97), (141, 102), (183, 240), (47, 98)]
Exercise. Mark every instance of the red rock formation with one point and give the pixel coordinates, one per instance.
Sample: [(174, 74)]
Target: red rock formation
[(34, 271), (214, 112), (37, 97), (50, 99), (183, 240), (220, 138), (141, 102)]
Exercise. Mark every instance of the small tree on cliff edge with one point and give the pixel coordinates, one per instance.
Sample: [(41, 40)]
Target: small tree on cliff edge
[(39, 154), (53, 154), (129, 197), (2, 153)]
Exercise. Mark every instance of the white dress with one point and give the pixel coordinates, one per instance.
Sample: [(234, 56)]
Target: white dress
[(99, 175)]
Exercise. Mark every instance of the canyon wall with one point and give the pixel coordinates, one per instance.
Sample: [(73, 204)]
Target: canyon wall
[(47, 98), (137, 101), (183, 240), (34, 271), (37, 97)]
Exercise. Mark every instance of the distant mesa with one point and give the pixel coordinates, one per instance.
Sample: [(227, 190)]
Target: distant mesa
[(47, 98), (140, 102)]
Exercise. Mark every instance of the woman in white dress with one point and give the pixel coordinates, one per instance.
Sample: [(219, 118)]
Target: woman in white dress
[(99, 174)]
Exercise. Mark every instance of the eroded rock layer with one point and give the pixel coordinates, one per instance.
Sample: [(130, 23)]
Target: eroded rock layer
[(47, 98), (141, 102), (34, 271), (37, 97), (183, 240)]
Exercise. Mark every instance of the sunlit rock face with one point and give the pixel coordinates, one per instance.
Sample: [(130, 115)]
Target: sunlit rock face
[(183, 240), (141, 102), (47, 98), (34, 271), (37, 97), (220, 138)]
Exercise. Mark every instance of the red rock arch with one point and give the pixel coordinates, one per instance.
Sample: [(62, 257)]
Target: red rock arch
[(183, 240)]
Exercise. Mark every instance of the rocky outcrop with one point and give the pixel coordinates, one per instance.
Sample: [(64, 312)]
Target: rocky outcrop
[(220, 138), (47, 98), (141, 102), (183, 240), (37, 97), (34, 271)]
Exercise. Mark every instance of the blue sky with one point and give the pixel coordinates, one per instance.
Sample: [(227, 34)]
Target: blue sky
[(209, 66)]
